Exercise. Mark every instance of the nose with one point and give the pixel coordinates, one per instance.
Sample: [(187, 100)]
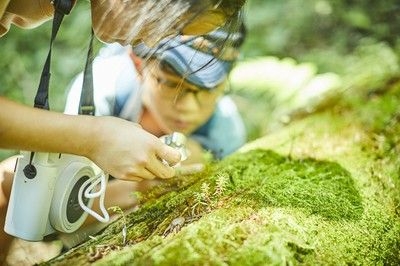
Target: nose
[(187, 101)]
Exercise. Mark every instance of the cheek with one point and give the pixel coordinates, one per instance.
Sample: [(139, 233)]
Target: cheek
[(155, 103), (205, 114), (199, 118)]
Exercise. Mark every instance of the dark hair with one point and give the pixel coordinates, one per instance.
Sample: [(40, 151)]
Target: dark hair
[(228, 36), (233, 32)]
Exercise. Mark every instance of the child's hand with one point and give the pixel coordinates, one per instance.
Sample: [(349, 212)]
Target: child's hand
[(126, 151)]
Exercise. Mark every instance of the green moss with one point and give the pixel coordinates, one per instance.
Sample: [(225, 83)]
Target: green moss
[(323, 195), (235, 235), (276, 210), (319, 187)]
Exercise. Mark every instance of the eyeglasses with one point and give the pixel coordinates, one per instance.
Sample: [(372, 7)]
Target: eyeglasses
[(176, 90)]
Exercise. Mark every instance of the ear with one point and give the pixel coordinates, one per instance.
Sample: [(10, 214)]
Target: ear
[(137, 61)]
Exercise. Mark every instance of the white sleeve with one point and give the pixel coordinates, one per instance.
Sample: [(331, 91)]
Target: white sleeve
[(74, 95), (105, 73), (103, 96)]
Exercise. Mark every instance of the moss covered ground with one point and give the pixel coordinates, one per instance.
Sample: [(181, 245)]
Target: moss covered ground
[(323, 190), (320, 189)]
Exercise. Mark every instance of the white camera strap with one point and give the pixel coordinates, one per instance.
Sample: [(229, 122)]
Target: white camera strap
[(88, 190)]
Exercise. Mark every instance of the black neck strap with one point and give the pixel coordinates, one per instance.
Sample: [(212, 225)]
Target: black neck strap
[(61, 8), (86, 104), (42, 95)]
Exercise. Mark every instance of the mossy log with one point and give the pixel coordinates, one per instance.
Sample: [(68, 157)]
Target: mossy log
[(324, 190)]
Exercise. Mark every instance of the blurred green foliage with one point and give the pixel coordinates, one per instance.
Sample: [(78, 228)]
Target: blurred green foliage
[(318, 31), (357, 41), (24, 53)]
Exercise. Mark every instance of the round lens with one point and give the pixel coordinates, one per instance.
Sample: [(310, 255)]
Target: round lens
[(74, 210)]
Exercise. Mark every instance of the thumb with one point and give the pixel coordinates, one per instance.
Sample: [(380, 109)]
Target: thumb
[(171, 155)]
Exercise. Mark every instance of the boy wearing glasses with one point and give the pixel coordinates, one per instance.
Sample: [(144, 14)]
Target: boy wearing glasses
[(178, 86)]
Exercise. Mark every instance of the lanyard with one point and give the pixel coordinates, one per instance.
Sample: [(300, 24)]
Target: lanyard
[(61, 8), (86, 106)]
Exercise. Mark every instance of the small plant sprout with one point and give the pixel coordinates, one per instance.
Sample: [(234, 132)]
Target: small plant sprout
[(205, 192), (221, 184), (118, 210), (202, 199)]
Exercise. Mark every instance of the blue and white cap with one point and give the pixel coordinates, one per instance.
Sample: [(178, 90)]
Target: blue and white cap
[(204, 61)]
